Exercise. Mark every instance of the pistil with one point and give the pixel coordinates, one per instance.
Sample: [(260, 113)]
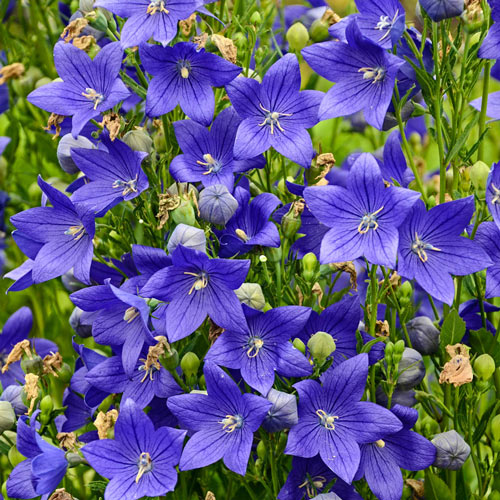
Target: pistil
[(272, 119)]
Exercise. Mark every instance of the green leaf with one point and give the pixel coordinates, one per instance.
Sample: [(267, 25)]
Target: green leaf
[(436, 488), (453, 329), (368, 346), (481, 427), (459, 144), (483, 342)]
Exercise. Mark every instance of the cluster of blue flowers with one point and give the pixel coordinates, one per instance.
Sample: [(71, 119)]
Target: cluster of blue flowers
[(315, 365)]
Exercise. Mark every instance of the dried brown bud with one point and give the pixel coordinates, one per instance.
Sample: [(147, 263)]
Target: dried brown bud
[(167, 203), (417, 486), (347, 267), (317, 290), (113, 122), (187, 24), (214, 332), (151, 362), (104, 422), (331, 17), (73, 29), (67, 440), (31, 390), (61, 494), (457, 371), (51, 363), (54, 121), (210, 496), (23, 347), (201, 40), (382, 328), (325, 160), (226, 47), (14, 70), (84, 42)]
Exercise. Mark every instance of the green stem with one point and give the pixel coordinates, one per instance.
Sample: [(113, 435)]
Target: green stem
[(480, 299), (274, 472), (373, 304), (484, 107)]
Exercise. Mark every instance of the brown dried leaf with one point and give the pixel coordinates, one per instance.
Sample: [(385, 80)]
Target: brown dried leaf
[(226, 47)]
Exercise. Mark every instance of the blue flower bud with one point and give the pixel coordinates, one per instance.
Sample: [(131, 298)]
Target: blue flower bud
[(64, 147), (283, 414), (399, 397), (217, 204), (411, 369), (423, 334), (251, 295), (13, 394), (451, 450), (75, 321), (442, 9), (188, 236)]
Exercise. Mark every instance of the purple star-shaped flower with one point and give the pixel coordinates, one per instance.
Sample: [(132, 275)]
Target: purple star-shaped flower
[(275, 113), (147, 19), (89, 87), (341, 321), (309, 477), (17, 328), (250, 224), (363, 72), (488, 236), (147, 381), (431, 248), (197, 286), (122, 320), (363, 218), (382, 461), (115, 175), (381, 22), (223, 422), (140, 461), (333, 422), (184, 75), (493, 193), (65, 232), (44, 467), (208, 154), (263, 347)]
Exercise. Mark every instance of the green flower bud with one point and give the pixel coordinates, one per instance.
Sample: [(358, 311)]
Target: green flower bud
[(7, 416), (405, 290), (431, 202), (291, 223), (319, 31), (170, 360), (321, 345), (256, 18), (184, 214), (389, 353), (267, 307), (281, 444), (261, 450), (299, 345), (43, 81), (399, 347), (251, 295), (494, 495), (15, 458), (258, 465), (65, 373), (190, 363), (297, 36), (240, 40), (33, 365), (484, 367), (46, 405), (97, 20), (273, 254), (138, 140), (201, 382), (159, 142), (479, 174), (495, 428), (310, 267)]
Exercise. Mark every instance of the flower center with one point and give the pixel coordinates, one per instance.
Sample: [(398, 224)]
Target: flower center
[(386, 24), (255, 345), (272, 118), (144, 465), (420, 248), (369, 221), (76, 231), (130, 314), (231, 423), (128, 186), (496, 196), (200, 282), (313, 485), (211, 163), (242, 235), (326, 420), (380, 443), (156, 6), (183, 67), (376, 74), (94, 96)]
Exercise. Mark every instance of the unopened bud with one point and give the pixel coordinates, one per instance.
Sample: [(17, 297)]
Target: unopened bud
[(256, 18), (319, 30), (484, 367), (190, 363), (170, 360), (479, 174), (261, 450), (299, 345), (451, 450), (251, 295), (495, 428), (411, 369), (273, 254), (389, 353), (424, 335), (7, 416), (321, 345), (33, 365), (97, 20), (291, 222), (283, 413), (138, 140), (310, 267), (15, 458), (297, 36), (184, 214)]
